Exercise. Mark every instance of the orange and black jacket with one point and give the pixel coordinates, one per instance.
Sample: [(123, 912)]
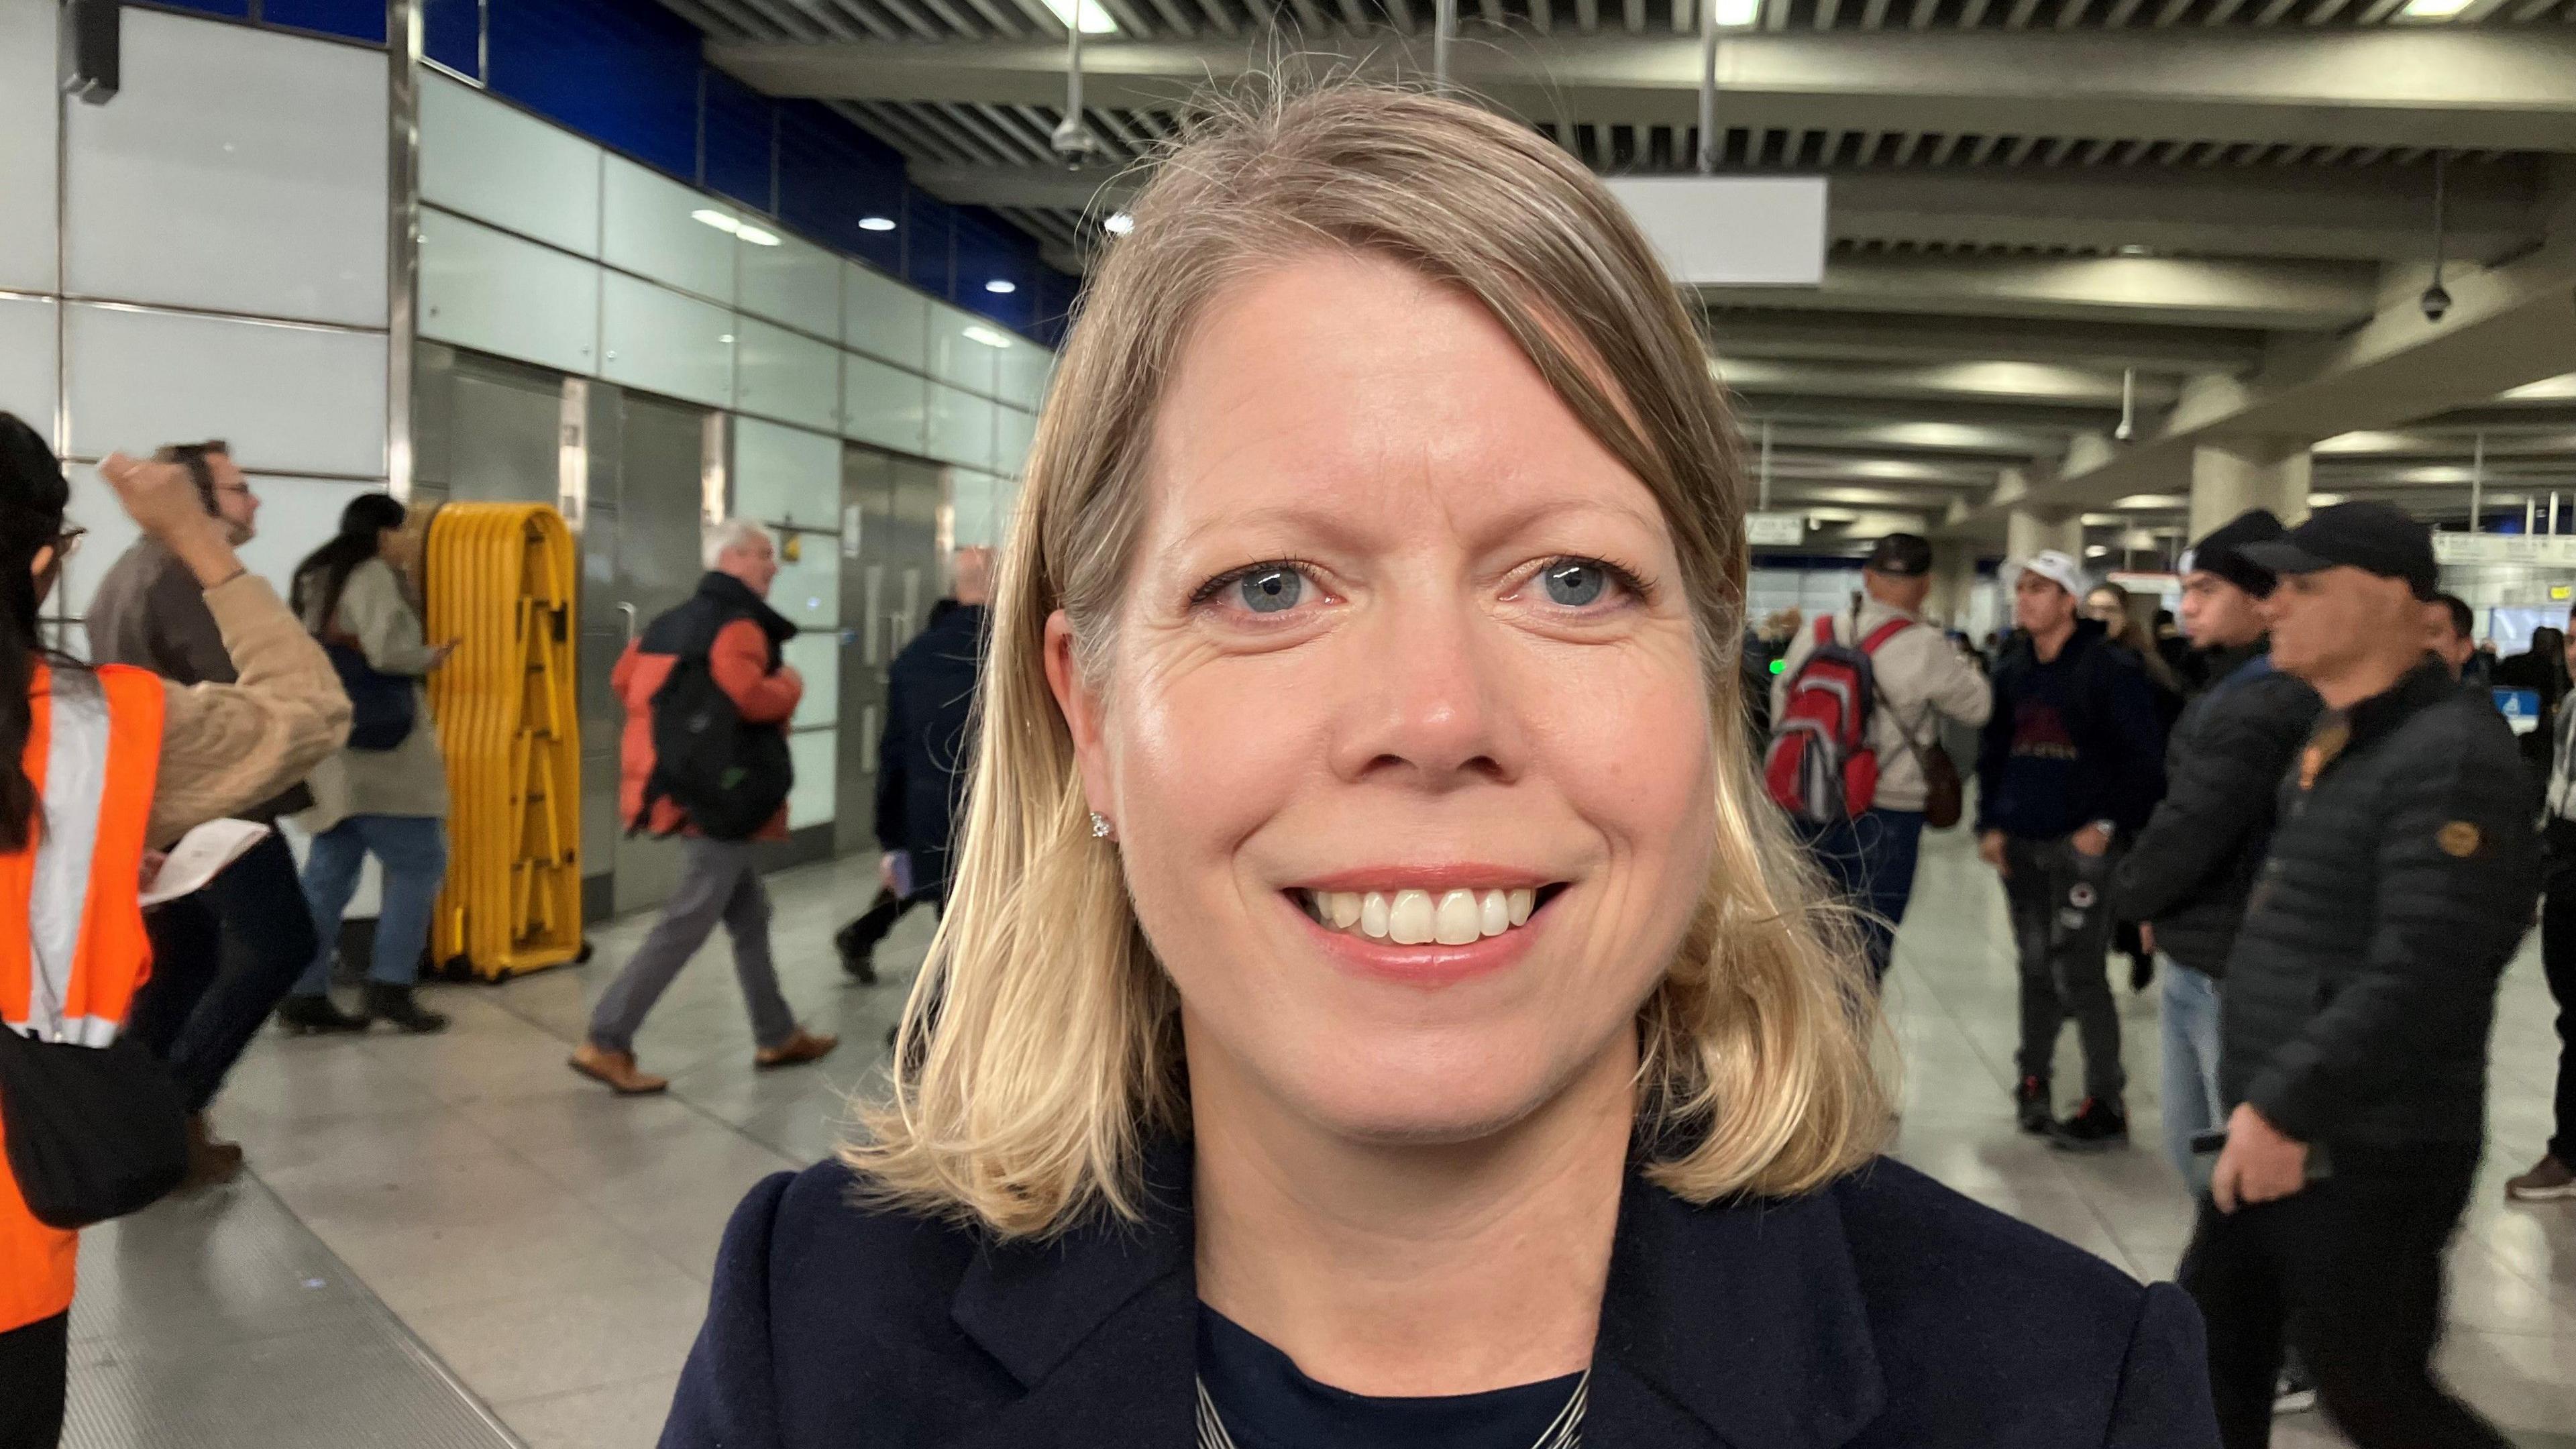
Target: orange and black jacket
[(740, 636)]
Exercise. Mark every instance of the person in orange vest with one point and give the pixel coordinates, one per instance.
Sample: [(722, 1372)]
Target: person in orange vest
[(98, 767)]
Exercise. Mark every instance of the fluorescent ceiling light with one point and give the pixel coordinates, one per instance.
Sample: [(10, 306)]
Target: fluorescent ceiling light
[(2135, 250), (2433, 9), (1095, 21), (1119, 224), (756, 236), (1736, 12), (987, 336), (2324, 500), (1000, 288), (876, 223), (2097, 550), (718, 220)]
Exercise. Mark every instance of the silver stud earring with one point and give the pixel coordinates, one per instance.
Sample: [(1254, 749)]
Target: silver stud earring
[(1099, 826)]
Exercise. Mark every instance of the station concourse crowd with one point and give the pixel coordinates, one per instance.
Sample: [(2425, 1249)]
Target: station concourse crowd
[(1402, 782)]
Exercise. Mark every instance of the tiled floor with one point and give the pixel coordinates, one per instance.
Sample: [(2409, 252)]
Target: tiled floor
[(551, 1244)]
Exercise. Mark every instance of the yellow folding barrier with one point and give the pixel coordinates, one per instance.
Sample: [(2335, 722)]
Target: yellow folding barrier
[(499, 578)]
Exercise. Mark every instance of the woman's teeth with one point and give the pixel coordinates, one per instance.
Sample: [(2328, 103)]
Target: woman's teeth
[(1415, 918)]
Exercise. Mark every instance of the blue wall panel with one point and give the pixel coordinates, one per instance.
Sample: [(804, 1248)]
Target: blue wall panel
[(451, 33), (929, 242), (832, 175), (622, 71), (355, 19), (990, 249), (739, 125)]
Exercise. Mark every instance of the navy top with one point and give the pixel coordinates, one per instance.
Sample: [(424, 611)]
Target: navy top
[(1267, 1402), (2073, 740), (1882, 1312)]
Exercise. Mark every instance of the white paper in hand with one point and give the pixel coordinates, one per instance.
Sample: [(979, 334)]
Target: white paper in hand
[(200, 856)]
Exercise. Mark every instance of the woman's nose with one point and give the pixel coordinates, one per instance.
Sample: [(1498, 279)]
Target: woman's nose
[(1431, 698)]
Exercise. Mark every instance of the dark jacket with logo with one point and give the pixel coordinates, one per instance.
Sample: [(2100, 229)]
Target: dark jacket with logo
[(2190, 871), (2071, 740), (740, 636), (922, 759), (1881, 1311), (2400, 882)]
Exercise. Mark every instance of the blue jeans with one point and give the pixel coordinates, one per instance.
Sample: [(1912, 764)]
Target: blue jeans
[(1870, 860), (413, 849), (2190, 1032)]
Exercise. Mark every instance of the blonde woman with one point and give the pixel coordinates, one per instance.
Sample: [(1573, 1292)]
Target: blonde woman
[(1376, 1008)]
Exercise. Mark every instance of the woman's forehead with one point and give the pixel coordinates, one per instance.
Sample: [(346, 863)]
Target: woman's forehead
[(1350, 382)]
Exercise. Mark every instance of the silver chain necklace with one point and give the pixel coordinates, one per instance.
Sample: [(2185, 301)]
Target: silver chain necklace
[(1561, 1433)]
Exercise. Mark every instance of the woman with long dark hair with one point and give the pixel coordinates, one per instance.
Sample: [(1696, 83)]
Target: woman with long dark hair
[(96, 767), (386, 793)]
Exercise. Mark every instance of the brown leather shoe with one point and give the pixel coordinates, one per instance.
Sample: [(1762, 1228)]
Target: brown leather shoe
[(211, 1162), (617, 1069), (803, 1047)]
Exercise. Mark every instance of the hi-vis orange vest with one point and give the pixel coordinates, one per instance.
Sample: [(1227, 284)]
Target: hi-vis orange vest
[(72, 948)]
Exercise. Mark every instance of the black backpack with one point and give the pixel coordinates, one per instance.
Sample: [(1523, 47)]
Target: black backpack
[(728, 777)]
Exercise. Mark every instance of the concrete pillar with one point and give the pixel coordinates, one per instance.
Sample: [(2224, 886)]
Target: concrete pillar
[(2227, 481), (2026, 533), (1954, 575)]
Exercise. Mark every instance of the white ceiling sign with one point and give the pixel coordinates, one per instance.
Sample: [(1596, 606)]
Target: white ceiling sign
[(1775, 530), (1731, 231), (2499, 548)]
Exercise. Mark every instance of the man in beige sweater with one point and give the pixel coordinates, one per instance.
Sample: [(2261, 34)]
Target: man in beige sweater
[(1919, 676), (224, 957)]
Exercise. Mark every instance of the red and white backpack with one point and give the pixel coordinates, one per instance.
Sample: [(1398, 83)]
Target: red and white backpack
[(1820, 767)]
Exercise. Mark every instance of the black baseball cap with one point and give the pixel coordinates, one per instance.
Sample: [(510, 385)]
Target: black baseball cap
[(2222, 551), (2372, 537), (1901, 555)]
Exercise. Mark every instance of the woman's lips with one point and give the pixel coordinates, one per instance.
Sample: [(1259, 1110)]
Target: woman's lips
[(1429, 963)]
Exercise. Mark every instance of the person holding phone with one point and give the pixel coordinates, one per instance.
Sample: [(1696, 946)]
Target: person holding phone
[(385, 794)]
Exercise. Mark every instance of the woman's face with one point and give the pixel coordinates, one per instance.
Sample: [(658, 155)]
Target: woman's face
[(1402, 642), (2107, 608)]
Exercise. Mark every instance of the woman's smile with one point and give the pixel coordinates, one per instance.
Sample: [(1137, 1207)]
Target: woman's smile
[(1428, 926)]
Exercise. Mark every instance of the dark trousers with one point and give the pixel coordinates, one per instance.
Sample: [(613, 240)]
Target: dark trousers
[(221, 961), (34, 1363), (2558, 960), (2061, 929), (2349, 1274), (1870, 860)]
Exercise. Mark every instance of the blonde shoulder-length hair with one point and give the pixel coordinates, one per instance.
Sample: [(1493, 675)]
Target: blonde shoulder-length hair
[(1041, 1045)]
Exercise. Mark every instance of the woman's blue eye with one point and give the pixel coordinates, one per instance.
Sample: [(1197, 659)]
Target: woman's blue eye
[(1573, 585), (1269, 591)]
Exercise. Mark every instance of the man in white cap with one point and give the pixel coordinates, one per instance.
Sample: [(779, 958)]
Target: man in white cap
[(2071, 763)]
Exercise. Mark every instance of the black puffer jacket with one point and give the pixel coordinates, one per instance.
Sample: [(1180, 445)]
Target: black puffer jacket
[(2191, 869), (2401, 879)]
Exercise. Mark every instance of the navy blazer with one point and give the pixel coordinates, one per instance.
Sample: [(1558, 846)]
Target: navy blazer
[(1884, 1310)]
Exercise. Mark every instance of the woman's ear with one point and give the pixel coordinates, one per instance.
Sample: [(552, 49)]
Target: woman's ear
[(41, 568), (1081, 709)]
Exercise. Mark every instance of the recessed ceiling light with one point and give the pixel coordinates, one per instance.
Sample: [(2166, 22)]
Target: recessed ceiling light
[(718, 220), (756, 236), (1095, 21), (876, 223), (2433, 9), (987, 336), (1000, 288), (1735, 13), (2097, 550), (1118, 224), (2135, 250)]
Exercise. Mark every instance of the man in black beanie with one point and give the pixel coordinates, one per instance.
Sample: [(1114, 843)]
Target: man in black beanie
[(2189, 873)]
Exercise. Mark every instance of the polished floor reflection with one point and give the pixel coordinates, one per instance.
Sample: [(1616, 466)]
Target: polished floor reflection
[(454, 1234)]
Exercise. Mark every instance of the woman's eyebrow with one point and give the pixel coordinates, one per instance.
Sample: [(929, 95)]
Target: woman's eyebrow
[(1314, 519)]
